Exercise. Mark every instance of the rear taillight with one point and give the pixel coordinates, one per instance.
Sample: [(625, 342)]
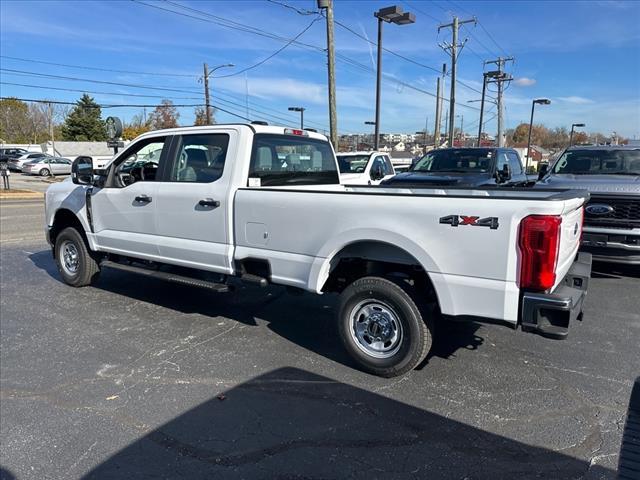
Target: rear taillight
[(539, 241)]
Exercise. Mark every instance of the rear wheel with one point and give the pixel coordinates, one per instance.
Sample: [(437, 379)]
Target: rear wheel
[(382, 327), (75, 263), (44, 172)]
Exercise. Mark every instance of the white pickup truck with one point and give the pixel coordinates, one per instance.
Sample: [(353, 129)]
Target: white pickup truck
[(364, 168), (265, 204)]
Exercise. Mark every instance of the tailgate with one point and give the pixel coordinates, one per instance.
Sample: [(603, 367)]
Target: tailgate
[(570, 234)]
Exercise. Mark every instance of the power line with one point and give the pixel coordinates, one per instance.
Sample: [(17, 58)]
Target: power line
[(94, 92), (59, 102), (77, 79), (29, 60), (274, 53), (238, 26)]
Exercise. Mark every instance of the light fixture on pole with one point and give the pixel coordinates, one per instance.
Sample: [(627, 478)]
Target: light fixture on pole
[(205, 78), (393, 14), (539, 101), (301, 110), (572, 127)]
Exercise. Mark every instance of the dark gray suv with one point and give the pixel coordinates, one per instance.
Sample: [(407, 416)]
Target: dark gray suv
[(611, 174)]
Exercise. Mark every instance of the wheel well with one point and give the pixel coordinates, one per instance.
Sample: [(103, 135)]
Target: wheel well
[(65, 218), (372, 258)]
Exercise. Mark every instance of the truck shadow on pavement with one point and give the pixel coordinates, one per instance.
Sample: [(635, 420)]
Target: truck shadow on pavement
[(304, 319), (292, 424)]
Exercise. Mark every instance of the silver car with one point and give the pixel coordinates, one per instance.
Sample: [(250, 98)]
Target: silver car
[(47, 166)]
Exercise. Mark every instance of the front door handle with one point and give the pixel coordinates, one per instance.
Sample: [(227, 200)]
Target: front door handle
[(143, 199), (209, 202)]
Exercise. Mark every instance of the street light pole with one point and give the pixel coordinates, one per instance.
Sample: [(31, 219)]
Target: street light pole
[(541, 101), (301, 110), (572, 127), (393, 14), (205, 81)]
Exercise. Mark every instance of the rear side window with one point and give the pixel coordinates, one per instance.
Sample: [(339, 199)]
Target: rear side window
[(514, 163), (200, 158), (278, 160)]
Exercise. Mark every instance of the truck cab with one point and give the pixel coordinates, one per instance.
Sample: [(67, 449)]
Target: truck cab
[(364, 168), (465, 167)]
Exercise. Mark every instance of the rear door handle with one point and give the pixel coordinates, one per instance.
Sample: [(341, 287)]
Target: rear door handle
[(209, 202), (143, 199)]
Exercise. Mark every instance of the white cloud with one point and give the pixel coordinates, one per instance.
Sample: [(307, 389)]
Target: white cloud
[(576, 100), (525, 82)]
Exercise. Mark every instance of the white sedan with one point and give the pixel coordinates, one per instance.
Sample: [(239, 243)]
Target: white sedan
[(47, 166)]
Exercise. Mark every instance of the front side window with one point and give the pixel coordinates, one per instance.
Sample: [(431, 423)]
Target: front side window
[(598, 162), (461, 160), (140, 162), (279, 160), (352, 163), (200, 158)]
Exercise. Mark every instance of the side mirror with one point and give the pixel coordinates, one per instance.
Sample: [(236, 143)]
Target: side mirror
[(377, 173), (82, 171), (544, 168), (505, 173)]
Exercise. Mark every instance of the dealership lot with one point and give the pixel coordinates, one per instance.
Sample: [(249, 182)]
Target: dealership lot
[(135, 378)]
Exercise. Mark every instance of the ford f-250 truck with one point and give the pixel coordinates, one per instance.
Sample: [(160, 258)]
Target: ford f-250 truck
[(265, 204)]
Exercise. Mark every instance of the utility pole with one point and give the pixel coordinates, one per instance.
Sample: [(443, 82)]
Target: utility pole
[(452, 48), (207, 101), (438, 121), (205, 82), (461, 128), (333, 119), (53, 141), (499, 79)]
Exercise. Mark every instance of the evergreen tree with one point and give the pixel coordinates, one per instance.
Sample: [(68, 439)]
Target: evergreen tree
[(84, 123)]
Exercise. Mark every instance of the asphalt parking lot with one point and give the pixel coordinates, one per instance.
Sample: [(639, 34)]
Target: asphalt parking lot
[(138, 378)]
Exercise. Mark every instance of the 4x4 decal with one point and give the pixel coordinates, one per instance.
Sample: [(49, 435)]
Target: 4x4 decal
[(455, 220)]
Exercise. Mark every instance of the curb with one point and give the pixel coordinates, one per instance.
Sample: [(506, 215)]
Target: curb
[(24, 195)]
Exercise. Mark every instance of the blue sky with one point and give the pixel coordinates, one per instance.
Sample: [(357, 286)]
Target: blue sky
[(584, 56)]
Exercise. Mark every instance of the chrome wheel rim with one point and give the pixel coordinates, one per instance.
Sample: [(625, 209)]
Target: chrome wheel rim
[(70, 257), (376, 328)]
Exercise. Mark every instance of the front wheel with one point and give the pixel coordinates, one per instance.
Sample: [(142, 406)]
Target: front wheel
[(44, 172), (382, 327), (75, 263)]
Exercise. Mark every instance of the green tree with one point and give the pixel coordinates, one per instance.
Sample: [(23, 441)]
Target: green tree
[(84, 123)]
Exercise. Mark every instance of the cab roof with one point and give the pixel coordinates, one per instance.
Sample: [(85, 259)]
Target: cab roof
[(254, 127)]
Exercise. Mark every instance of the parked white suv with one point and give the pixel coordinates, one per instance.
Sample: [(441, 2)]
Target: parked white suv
[(364, 168), (265, 204)]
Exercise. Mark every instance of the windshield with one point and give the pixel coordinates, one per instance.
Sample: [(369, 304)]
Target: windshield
[(353, 163), (291, 160), (598, 162), (457, 160)]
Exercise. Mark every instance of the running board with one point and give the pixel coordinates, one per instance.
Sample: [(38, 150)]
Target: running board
[(171, 277)]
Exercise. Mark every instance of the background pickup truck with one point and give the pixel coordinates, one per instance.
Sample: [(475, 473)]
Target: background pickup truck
[(265, 204), (464, 167), (611, 174), (364, 168)]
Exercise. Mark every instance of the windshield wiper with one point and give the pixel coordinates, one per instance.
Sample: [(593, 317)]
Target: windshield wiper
[(622, 173)]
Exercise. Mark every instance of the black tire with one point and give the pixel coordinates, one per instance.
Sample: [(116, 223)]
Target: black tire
[(416, 332), (44, 172), (86, 270)]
